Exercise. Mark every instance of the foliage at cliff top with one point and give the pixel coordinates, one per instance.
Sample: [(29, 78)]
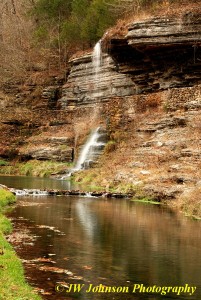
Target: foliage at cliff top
[(82, 22), (74, 22), (41, 35)]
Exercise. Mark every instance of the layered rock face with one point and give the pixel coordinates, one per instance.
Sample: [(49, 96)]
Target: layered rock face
[(158, 141), (160, 53), (86, 87), (150, 95), (32, 126), (156, 54)]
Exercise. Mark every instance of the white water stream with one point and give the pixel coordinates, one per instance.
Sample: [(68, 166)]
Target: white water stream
[(97, 58), (90, 150), (87, 150), (92, 147)]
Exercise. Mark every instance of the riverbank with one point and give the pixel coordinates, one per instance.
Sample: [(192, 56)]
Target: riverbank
[(189, 203), (182, 198), (33, 167), (13, 285), (101, 182)]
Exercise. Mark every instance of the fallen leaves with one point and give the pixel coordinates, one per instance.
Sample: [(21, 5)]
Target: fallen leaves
[(21, 238), (87, 267), (42, 291), (39, 260), (55, 270), (50, 228)]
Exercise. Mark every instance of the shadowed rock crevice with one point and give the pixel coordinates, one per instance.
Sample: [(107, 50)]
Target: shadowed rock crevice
[(157, 54), (160, 53)]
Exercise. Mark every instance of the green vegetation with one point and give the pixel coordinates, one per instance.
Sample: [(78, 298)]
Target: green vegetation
[(12, 285), (6, 198), (35, 168), (3, 162), (62, 22), (78, 24), (95, 178), (146, 200)]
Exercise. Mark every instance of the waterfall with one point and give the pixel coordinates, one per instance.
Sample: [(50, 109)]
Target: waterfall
[(97, 58), (96, 141), (90, 151), (96, 89)]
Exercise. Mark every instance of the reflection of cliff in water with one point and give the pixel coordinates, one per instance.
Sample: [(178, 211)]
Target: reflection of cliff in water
[(169, 242), (115, 241)]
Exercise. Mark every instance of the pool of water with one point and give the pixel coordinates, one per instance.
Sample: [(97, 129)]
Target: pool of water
[(28, 182), (99, 243)]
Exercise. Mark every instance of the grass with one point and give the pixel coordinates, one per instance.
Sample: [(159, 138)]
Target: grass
[(3, 162), (12, 285), (35, 168), (6, 198), (110, 147)]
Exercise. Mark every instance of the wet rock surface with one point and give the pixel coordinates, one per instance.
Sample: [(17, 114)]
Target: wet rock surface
[(37, 192)]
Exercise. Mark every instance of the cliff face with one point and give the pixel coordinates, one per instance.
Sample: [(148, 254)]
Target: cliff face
[(160, 53), (156, 54), (146, 93), (32, 126), (86, 87)]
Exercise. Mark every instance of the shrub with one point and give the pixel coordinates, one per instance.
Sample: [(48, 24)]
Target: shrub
[(110, 147), (190, 202)]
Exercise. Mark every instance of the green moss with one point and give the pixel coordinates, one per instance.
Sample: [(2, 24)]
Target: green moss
[(146, 200), (12, 284), (5, 224)]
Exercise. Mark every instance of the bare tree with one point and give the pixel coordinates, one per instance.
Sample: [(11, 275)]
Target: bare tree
[(15, 36)]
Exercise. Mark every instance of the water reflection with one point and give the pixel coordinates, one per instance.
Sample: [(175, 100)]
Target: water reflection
[(26, 182), (116, 242)]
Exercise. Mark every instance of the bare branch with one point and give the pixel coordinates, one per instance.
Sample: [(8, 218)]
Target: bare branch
[(14, 8)]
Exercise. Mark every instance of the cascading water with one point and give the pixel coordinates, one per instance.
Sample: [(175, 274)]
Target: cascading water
[(92, 148), (96, 141), (96, 69), (97, 58), (90, 151), (87, 151)]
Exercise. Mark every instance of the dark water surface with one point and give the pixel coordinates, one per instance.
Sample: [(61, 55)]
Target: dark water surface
[(116, 243)]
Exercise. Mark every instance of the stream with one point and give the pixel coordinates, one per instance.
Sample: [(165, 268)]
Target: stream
[(135, 250)]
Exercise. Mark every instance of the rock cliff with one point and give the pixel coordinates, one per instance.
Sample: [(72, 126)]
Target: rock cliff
[(32, 125), (86, 88), (161, 52), (146, 93), (156, 54)]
